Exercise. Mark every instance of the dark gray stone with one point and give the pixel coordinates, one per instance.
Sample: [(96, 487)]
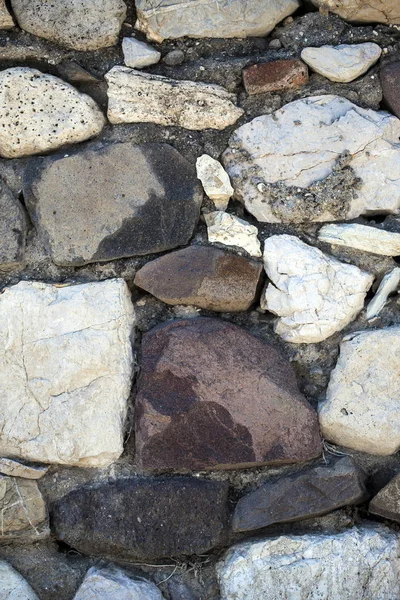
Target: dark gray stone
[(390, 81), (387, 502), (12, 230)]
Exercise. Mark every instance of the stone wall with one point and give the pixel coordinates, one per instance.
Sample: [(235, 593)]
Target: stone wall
[(199, 319)]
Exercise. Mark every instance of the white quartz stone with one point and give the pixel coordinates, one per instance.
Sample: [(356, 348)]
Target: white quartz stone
[(363, 11), (342, 63), (389, 284), (138, 54), (231, 231), (114, 584), (135, 97), (215, 180), (13, 586), (314, 295), (66, 371), (361, 237)]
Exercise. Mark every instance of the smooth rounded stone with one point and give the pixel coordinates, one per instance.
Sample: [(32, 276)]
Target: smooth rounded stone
[(13, 229), (144, 518), (171, 19), (210, 395), (229, 230), (66, 371), (66, 116), (138, 54), (361, 237), (174, 58), (168, 102), (6, 20), (389, 284), (202, 276), (314, 294), (363, 11), (275, 76), (361, 410), (78, 24), (301, 149), (13, 586), (342, 63), (390, 81), (17, 469), (215, 180), (359, 563), (23, 513), (386, 503), (114, 584), (309, 493), (119, 201)]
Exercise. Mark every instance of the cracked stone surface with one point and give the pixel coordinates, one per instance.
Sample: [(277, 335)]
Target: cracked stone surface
[(13, 586), (78, 24), (229, 230), (23, 513), (13, 228), (283, 166), (342, 63), (6, 20), (386, 503), (11, 467), (362, 11), (66, 371), (136, 97), (114, 584), (361, 237), (169, 19), (314, 294), (215, 180), (66, 116), (361, 410), (310, 567), (138, 54), (210, 395), (122, 200)]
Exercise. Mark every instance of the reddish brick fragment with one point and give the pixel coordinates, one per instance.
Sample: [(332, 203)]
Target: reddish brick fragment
[(275, 76)]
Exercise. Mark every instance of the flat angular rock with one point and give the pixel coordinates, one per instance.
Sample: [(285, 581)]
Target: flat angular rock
[(275, 76), (363, 11), (390, 81), (314, 295), (342, 63), (389, 284), (13, 228), (202, 276), (215, 180), (138, 54), (66, 371), (310, 493), (13, 585), (386, 503), (361, 410), (361, 237), (17, 469), (66, 116), (122, 200), (290, 166), (23, 513), (210, 395), (156, 517), (6, 20), (164, 101), (78, 24), (361, 562), (114, 584), (167, 19), (229, 230)]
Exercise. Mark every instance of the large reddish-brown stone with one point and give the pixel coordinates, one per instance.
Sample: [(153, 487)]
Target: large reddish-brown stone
[(210, 395), (204, 276), (275, 76)]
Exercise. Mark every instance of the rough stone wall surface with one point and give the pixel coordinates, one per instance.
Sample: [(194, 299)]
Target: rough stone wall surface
[(199, 310)]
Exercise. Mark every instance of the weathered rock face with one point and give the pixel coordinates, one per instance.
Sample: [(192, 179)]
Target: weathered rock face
[(362, 11), (390, 81), (138, 54), (229, 230), (215, 180), (313, 294), (66, 116), (77, 24), (361, 237), (233, 18), (202, 276), (12, 230), (22, 509), (113, 584), (145, 199), (166, 101), (275, 76), (361, 407), (310, 493), (285, 167), (184, 516), (13, 585), (389, 284), (210, 395), (66, 371), (342, 63), (386, 503), (6, 20), (17, 469), (308, 567)]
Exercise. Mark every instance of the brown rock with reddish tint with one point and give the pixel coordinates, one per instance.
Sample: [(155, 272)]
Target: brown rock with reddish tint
[(204, 276), (210, 395), (387, 502), (390, 81), (275, 76)]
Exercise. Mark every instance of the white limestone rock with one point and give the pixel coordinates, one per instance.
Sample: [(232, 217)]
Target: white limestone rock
[(13, 468), (39, 112), (78, 24), (114, 584), (361, 410), (135, 97), (389, 284), (363, 11), (66, 371), (231, 231), (342, 63), (303, 144), (138, 54), (314, 295), (215, 180), (360, 563), (6, 20), (361, 237), (171, 19), (13, 586)]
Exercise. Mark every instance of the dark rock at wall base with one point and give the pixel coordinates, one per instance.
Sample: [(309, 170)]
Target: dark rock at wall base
[(390, 81), (386, 503), (13, 227)]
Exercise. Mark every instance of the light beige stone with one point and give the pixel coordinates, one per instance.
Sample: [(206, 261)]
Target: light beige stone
[(13, 586), (229, 230), (389, 284), (135, 97), (114, 584), (361, 237), (215, 180), (138, 54), (6, 20), (363, 11), (23, 513), (14, 468), (342, 63)]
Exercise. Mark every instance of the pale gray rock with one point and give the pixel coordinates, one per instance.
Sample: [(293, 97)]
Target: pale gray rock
[(66, 116), (114, 584), (363, 11), (361, 410), (229, 230), (138, 54), (23, 513), (78, 24), (314, 294), (66, 371), (306, 142), (389, 284), (6, 20), (13, 228), (342, 63), (358, 564), (13, 586), (215, 181), (171, 19), (135, 97), (361, 237), (13, 468)]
